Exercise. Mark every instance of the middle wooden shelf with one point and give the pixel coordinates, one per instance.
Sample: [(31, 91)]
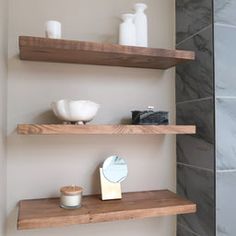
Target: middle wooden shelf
[(57, 129)]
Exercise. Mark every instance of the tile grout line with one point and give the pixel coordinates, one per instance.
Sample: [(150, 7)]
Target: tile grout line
[(187, 229), (225, 97), (193, 35), (195, 100), (225, 25), (195, 167), (226, 171)]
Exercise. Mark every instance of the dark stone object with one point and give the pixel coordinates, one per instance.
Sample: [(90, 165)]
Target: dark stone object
[(150, 117)]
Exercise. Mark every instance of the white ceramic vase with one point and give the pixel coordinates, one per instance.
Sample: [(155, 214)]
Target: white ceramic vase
[(127, 34), (141, 25), (53, 29)]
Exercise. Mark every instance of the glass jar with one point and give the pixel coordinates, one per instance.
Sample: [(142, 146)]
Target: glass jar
[(71, 197)]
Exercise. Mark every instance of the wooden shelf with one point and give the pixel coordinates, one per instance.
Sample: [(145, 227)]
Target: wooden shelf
[(68, 51), (41, 129), (45, 213)]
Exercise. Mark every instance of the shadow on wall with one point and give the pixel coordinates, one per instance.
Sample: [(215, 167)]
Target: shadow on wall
[(49, 69)]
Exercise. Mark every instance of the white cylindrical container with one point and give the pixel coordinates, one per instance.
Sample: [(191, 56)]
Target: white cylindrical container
[(71, 197), (53, 29), (141, 24), (127, 34)]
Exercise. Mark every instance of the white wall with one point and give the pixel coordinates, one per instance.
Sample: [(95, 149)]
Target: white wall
[(38, 166), (3, 77)]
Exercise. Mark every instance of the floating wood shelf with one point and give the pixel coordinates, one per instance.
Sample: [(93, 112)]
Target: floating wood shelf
[(68, 51), (36, 129), (46, 213)]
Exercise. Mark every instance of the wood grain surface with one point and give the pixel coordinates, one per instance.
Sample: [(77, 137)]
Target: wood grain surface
[(44, 129), (70, 51), (44, 213)]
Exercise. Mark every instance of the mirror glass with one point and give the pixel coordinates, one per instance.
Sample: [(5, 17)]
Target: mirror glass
[(115, 169)]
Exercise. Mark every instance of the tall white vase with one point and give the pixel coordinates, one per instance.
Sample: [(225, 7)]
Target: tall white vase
[(127, 34), (141, 24)]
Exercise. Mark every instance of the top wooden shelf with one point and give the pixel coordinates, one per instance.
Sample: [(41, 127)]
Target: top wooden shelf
[(69, 51)]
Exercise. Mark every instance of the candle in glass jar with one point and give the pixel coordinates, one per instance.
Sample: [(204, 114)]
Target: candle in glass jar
[(71, 197)]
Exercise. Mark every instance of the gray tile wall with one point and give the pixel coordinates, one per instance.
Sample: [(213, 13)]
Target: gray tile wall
[(192, 17), (182, 231), (225, 84), (195, 105), (206, 96), (197, 184)]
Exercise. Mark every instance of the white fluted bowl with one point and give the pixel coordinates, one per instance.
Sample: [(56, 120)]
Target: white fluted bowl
[(80, 111)]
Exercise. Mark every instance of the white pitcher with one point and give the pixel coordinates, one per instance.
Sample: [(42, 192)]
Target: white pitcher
[(141, 24), (127, 34)]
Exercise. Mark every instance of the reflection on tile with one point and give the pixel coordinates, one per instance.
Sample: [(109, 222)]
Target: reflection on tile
[(199, 113), (182, 231), (195, 151), (192, 16), (224, 12), (225, 133), (225, 213), (197, 185), (225, 57), (195, 79)]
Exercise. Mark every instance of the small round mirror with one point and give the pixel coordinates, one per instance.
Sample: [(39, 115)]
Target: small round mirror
[(115, 169)]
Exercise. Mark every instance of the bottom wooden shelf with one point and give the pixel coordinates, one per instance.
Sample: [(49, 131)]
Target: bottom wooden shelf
[(45, 213)]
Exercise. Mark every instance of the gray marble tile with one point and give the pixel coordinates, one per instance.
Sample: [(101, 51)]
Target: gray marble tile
[(191, 17), (224, 11), (195, 151), (198, 149), (199, 113), (194, 80), (182, 231), (198, 186), (225, 57), (225, 212), (225, 133)]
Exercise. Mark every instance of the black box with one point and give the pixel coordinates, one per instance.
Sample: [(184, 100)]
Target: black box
[(150, 117)]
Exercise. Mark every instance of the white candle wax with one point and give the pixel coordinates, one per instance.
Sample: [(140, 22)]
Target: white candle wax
[(70, 201)]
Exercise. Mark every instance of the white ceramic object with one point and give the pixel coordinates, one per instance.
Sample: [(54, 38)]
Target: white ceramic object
[(141, 25), (127, 35), (53, 29), (79, 112)]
